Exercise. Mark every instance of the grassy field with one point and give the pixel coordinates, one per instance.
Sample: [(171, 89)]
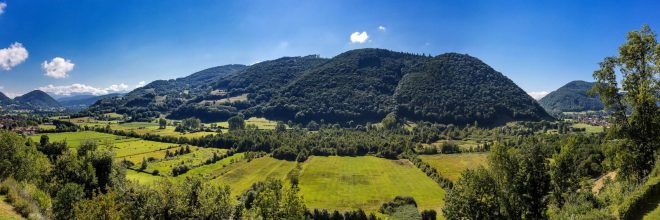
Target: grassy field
[(348, 183), (7, 211), (240, 175), (589, 128), (451, 165), (196, 158), (153, 127), (74, 139)]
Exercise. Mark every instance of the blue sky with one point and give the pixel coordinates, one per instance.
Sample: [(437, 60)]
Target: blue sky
[(105, 46)]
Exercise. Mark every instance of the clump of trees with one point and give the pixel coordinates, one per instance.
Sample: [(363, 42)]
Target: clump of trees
[(635, 137)]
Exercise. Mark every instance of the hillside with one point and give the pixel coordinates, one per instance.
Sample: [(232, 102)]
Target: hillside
[(572, 97), (462, 89), (257, 84), (360, 86), (82, 101), (37, 98), (4, 99), (162, 96)]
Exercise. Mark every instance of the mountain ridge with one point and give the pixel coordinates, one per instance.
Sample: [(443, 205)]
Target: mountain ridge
[(361, 85)]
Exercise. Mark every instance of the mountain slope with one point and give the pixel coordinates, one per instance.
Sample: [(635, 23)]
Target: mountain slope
[(572, 97), (4, 99), (161, 96), (460, 89), (82, 101), (355, 85), (37, 98)]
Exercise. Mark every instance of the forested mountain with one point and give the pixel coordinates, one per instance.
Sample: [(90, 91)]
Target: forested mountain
[(4, 99), (357, 86), (82, 101), (462, 89), (162, 96), (572, 97), (37, 98)]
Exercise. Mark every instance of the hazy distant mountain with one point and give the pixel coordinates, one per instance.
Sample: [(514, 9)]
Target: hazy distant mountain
[(37, 98), (360, 85), (4, 99), (82, 101), (572, 97)]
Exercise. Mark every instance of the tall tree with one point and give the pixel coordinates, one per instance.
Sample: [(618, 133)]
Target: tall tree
[(638, 134)]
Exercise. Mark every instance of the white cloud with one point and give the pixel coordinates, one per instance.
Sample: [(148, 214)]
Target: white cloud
[(538, 95), (2, 87), (117, 88), (357, 37), (382, 28), (2, 7), (77, 88), (12, 95), (58, 67), (12, 56), (140, 84)]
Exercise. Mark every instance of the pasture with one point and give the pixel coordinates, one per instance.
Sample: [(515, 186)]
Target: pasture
[(452, 165), (589, 128), (240, 175), (348, 183)]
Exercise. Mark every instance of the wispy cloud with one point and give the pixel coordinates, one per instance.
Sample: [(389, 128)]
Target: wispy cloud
[(538, 95), (382, 28), (140, 84), (13, 55), (357, 37), (77, 88), (2, 7), (58, 68)]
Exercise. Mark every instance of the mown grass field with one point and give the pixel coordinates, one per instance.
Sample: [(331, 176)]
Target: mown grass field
[(589, 128), (348, 183), (74, 139), (153, 127), (193, 159), (240, 175), (451, 165)]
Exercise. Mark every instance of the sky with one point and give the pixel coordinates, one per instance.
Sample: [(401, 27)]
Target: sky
[(68, 47)]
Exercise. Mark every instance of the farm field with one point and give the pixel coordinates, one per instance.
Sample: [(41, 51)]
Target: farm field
[(197, 157), (240, 175), (589, 128), (153, 127), (348, 183), (451, 165), (74, 139)]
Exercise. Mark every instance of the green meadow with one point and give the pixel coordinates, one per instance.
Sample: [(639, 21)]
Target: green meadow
[(451, 165), (348, 183)]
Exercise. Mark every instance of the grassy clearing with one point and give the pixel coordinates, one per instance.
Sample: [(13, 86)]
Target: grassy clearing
[(142, 178), (589, 128), (74, 139), (241, 175), (452, 165), (348, 183), (197, 157), (212, 170)]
